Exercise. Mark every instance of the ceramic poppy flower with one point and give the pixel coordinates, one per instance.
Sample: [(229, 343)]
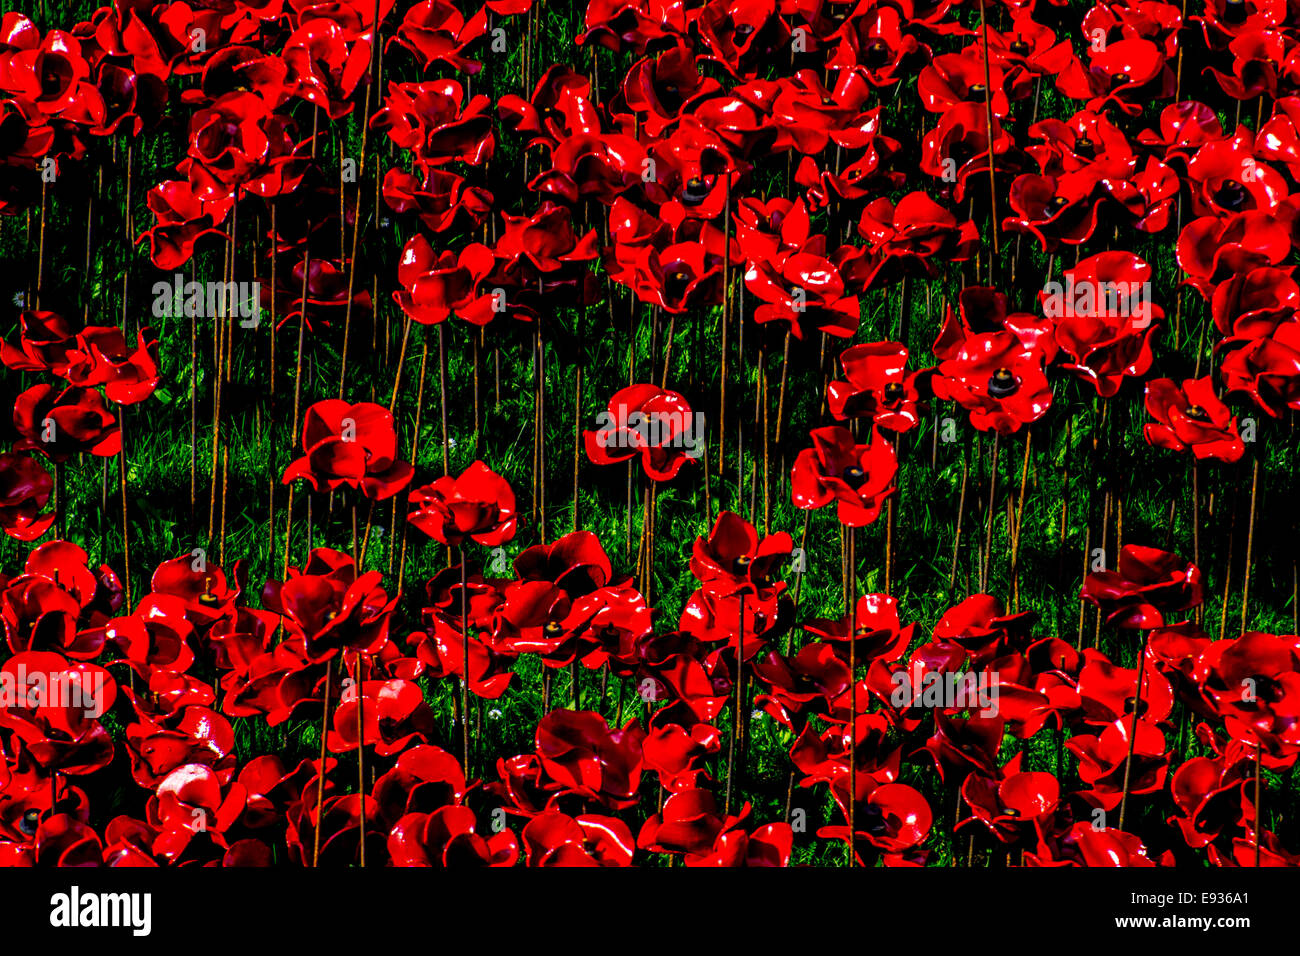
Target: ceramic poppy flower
[(448, 838), (878, 386), (45, 343), (998, 380), (907, 237), (952, 78), (479, 504), (353, 445), (1105, 318), (964, 137), (209, 595), (545, 240), (331, 606), (1254, 685), (893, 818), (325, 66), (59, 424), (858, 478), (437, 33), (690, 824), (25, 489), (394, 713), (53, 75), (1103, 759), (678, 278), (805, 683), (228, 142), (191, 801), (556, 839), (159, 744), (433, 120), (872, 40), (1215, 247), (104, 358), (559, 107), (1225, 176), (581, 753), (441, 200), (182, 217), (803, 288), (53, 707), (658, 90), (1266, 369), (1210, 797), (733, 559), (51, 606), (1148, 584), (1191, 417), (650, 422), (741, 37), (1010, 806), (436, 286)]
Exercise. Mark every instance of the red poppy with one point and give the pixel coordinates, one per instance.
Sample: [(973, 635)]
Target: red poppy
[(581, 753), (435, 286), (53, 707), (331, 606), (433, 120), (353, 445), (448, 838), (1105, 318), (441, 200), (59, 424), (691, 825), (479, 505), (879, 386), (25, 489), (732, 559), (1148, 584), (394, 713), (326, 66), (1191, 417), (645, 420), (183, 217), (857, 477), (998, 379), (555, 839)]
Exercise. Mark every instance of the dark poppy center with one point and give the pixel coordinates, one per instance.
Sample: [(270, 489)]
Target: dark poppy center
[(1197, 413), (553, 629), (876, 53), (29, 822), (208, 599), (670, 97), (743, 30), (676, 283), (1267, 689), (1003, 383), (1083, 145), (1142, 706), (1234, 11), (741, 564), (1231, 195), (893, 392), (695, 191), (1019, 47), (1057, 204), (854, 476)]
